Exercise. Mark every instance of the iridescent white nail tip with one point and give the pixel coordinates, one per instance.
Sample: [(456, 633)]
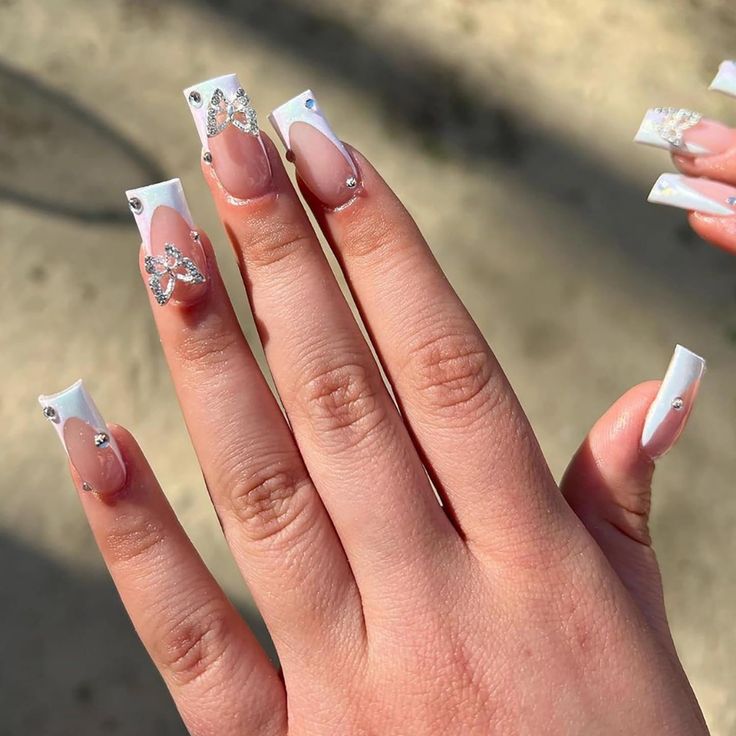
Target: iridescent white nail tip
[(671, 408), (664, 127), (676, 190), (304, 108), (217, 103), (725, 80), (75, 402), (144, 201)]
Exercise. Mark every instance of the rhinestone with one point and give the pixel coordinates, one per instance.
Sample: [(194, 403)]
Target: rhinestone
[(195, 236), (207, 156), (195, 99), (86, 486), (102, 439), (310, 103), (677, 403), (135, 205), (49, 412), (732, 201), (351, 182)]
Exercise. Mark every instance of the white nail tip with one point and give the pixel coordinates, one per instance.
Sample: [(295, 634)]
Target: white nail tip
[(144, 201), (304, 108), (74, 402), (725, 80), (198, 98), (661, 126), (671, 408), (674, 190)]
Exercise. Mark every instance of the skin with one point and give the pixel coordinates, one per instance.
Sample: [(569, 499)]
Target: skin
[(518, 607)]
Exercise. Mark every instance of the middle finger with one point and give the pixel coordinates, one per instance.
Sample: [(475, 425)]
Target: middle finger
[(349, 432)]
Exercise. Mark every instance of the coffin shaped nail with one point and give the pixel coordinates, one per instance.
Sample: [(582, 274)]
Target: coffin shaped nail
[(684, 132), (227, 125), (91, 448), (692, 193), (671, 408), (174, 260), (322, 161), (725, 80)]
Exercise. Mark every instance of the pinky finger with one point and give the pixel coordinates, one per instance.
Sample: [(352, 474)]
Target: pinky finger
[(220, 678)]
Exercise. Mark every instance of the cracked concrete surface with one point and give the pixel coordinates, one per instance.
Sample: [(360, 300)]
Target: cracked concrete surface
[(506, 129)]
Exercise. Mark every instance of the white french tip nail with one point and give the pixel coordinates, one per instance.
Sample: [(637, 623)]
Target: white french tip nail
[(75, 402), (304, 108), (144, 201), (217, 102), (663, 127), (725, 80), (699, 195), (671, 408)]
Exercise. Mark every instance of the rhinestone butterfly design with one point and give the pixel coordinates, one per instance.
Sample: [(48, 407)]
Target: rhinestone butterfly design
[(236, 110), (674, 122), (169, 268)]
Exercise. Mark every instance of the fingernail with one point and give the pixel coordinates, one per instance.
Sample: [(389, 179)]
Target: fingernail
[(322, 161), (231, 141), (725, 80), (174, 259), (92, 450), (671, 408), (684, 132), (691, 193)]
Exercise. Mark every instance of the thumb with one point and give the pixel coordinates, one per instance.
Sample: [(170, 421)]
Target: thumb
[(608, 482)]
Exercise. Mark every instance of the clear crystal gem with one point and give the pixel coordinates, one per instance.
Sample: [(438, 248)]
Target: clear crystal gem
[(732, 201), (351, 182), (195, 99), (207, 156), (49, 412), (135, 205), (102, 439), (86, 486), (677, 403)]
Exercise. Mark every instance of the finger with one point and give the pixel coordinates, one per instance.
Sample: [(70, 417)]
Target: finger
[(473, 435), (220, 678), (712, 206), (608, 482), (700, 147), (274, 521), (349, 432)]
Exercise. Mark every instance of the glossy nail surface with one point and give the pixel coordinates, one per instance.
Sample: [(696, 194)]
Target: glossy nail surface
[(725, 80), (227, 125), (322, 161), (684, 132), (692, 193), (671, 408), (174, 260), (92, 450)]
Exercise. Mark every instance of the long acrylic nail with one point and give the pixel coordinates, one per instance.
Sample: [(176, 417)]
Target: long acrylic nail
[(692, 193), (92, 450), (725, 80), (231, 141), (685, 132), (671, 408), (322, 161), (174, 260)]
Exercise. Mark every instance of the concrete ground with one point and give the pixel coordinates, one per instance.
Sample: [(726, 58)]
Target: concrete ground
[(505, 127)]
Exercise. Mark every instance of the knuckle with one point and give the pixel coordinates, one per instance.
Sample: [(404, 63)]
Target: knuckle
[(194, 644), (343, 400), (208, 348), (270, 500), (276, 242), (132, 539), (452, 372)]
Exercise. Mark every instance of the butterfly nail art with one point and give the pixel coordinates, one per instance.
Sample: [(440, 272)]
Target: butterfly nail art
[(166, 270), (235, 110)]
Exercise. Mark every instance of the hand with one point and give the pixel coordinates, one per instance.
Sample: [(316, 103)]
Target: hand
[(516, 607), (705, 152)]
